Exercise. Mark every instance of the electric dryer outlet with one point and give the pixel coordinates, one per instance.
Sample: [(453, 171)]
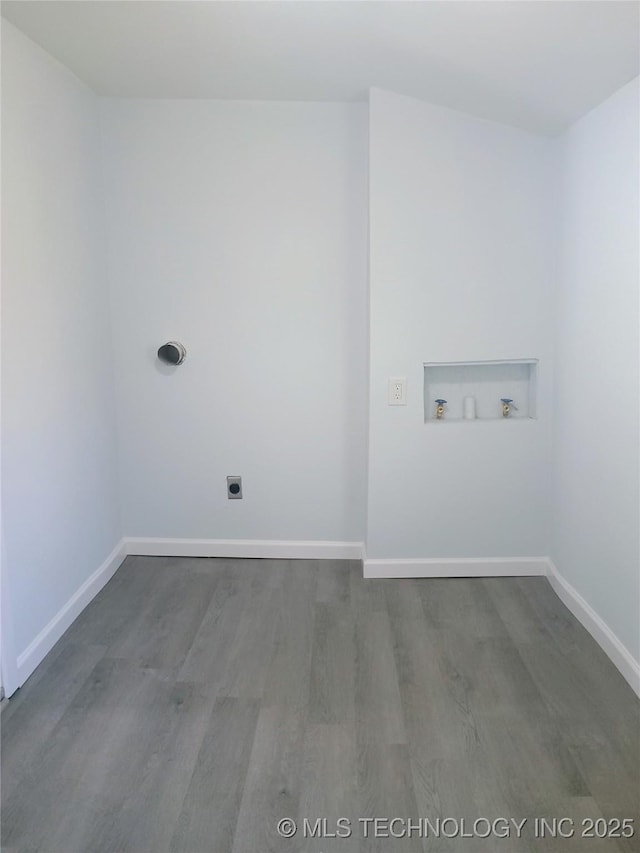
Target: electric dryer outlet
[(234, 488)]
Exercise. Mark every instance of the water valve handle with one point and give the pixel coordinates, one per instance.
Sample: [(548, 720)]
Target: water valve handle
[(508, 402)]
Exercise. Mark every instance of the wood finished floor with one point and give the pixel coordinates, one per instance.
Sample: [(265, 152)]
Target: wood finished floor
[(197, 702)]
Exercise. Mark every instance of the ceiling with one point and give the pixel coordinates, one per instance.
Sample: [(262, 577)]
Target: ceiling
[(529, 63)]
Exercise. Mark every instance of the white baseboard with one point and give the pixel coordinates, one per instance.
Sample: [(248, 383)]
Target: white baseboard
[(271, 549), (629, 667), (453, 567), (475, 567), (42, 644), (612, 646)]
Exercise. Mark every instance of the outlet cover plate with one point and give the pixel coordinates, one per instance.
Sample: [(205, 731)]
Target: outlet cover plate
[(234, 488), (397, 392)]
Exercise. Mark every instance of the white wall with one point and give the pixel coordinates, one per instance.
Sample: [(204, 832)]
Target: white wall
[(59, 491), (461, 259), (597, 424), (240, 230)]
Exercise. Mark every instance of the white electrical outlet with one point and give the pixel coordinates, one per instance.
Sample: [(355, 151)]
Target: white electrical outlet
[(397, 391)]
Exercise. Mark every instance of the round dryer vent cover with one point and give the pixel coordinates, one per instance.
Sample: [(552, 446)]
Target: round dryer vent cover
[(172, 353)]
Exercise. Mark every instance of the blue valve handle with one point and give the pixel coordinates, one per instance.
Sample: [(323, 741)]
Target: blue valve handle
[(440, 402)]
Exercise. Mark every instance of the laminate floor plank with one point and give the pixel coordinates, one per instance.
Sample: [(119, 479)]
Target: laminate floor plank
[(195, 703), (118, 806), (272, 786), (163, 631), (329, 753), (117, 606), (214, 641), (522, 607), (378, 707), (383, 769), (452, 725), (88, 760), (288, 672), (333, 583), (27, 723), (243, 670), (525, 758), (385, 791), (209, 812), (332, 693), (177, 746), (463, 603), (579, 686)]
